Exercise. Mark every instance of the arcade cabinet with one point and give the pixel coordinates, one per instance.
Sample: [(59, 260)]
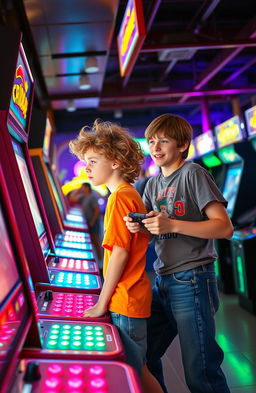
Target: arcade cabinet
[(243, 243), (18, 85), (80, 356), (207, 157), (236, 154), (45, 178)]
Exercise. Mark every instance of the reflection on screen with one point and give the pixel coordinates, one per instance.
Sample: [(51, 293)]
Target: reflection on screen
[(8, 272), (55, 192), (231, 187), (29, 189)]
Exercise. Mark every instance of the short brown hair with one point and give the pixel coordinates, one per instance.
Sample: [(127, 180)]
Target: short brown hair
[(171, 126), (114, 142)]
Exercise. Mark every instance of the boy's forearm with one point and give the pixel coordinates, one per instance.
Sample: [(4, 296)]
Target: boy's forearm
[(116, 266), (209, 229)]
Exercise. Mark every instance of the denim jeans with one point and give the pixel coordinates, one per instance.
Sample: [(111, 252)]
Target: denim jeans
[(133, 333), (184, 303)]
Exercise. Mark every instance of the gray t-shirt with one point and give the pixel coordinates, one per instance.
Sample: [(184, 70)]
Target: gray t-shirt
[(182, 196)]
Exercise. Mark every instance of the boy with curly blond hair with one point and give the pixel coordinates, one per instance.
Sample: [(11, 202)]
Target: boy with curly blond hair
[(113, 158)]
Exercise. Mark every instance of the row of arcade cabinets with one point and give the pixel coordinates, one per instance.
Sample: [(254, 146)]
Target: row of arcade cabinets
[(229, 155), (45, 344)]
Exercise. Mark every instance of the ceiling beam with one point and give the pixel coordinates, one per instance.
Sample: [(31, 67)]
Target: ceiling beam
[(225, 56), (167, 95), (205, 45)]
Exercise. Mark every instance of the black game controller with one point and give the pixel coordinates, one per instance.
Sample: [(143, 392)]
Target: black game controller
[(138, 217)]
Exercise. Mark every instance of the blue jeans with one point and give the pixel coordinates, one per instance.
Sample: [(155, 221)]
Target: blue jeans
[(184, 303), (133, 333)]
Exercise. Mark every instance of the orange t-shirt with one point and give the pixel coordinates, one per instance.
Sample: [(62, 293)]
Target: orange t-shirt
[(132, 296)]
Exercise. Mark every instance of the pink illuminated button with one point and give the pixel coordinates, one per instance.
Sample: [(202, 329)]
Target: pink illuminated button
[(97, 383), (55, 369), (53, 382), (75, 369), (75, 383), (96, 370)]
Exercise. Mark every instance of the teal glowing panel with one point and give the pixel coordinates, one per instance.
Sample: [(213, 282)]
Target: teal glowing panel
[(76, 337), (98, 340), (76, 233), (68, 253), (74, 280), (78, 246), (72, 217)]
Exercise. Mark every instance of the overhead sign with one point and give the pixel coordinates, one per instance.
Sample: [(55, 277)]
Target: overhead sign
[(250, 116), (131, 36), (204, 143), (21, 92), (229, 132)]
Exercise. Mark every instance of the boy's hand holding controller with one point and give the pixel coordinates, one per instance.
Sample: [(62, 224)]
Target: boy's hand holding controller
[(138, 217), (134, 222)]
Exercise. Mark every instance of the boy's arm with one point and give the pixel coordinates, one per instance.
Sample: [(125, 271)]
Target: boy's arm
[(96, 213), (217, 226), (116, 265)]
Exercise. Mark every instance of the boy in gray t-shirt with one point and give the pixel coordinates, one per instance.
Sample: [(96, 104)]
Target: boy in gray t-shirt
[(186, 212)]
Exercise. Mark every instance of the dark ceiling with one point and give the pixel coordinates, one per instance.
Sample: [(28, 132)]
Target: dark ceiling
[(197, 57)]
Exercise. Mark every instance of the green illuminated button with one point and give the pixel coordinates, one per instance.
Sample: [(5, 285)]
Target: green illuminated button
[(77, 344), (53, 337), (64, 344), (77, 327), (99, 333), (99, 338), (100, 345), (54, 331), (89, 345), (51, 344), (66, 331), (89, 338)]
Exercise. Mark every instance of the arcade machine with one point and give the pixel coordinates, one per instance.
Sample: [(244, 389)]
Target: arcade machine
[(47, 186), (16, 101), (236, 154), (207, 157), (243, 243), (81, 357), (53, 203), (48, 151)]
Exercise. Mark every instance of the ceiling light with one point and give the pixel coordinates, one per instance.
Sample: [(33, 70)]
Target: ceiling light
[(71, 106), (91, 65), (84, 82), (118, 114)]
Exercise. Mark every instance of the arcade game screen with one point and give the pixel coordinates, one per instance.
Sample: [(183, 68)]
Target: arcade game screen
[(55, 191), (231, 186), (8, 271), (29, 189)]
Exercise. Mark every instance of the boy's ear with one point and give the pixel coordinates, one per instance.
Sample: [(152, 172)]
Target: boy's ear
[(184, 147), (115, 164)]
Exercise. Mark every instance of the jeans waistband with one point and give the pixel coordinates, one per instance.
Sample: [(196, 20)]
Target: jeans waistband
[(206, 267)]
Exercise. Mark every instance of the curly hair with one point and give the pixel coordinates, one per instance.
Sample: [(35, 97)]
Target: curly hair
[(114, 143)]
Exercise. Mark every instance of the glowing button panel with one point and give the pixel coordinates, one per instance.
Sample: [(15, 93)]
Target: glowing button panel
[(62, 376)]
